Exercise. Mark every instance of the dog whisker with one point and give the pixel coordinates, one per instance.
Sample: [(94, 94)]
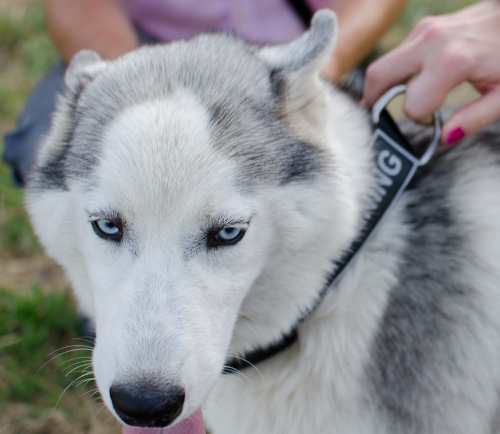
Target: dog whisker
[(78, 346), (237, 372), (64, 391), (89, 339), (251, 365), (98, 411), (74, 348), (86, 380), (74, 361), (91, 391), (77, 367)]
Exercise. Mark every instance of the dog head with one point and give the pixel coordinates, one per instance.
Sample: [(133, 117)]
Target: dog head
[(191, 191)]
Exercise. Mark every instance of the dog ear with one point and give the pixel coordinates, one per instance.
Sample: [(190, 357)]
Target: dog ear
[(84, 68), (308, 53), (294, 73)]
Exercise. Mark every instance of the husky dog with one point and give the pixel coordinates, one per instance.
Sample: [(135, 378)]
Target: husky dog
[(198, 195)]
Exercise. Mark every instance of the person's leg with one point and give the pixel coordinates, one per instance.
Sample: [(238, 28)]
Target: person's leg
[(21, 145)]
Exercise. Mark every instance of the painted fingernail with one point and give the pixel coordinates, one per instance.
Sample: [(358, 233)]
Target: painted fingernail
[(454, 136)]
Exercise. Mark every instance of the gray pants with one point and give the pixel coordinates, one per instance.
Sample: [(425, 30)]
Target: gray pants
[(33, 124)]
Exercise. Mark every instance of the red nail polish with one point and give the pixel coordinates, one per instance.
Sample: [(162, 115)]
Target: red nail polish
[(454, 136)]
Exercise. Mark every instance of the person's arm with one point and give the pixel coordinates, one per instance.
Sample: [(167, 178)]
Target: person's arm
[(361, 25), (100, 25), (440, 53)]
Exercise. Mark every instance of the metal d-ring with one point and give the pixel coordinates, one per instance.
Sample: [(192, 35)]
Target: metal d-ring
[(386, 98)]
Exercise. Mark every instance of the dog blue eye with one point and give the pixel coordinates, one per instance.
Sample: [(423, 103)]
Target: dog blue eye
[(227, 236), (108, 229)]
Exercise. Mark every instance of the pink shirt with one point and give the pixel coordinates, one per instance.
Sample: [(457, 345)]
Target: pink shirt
[(257, 21)]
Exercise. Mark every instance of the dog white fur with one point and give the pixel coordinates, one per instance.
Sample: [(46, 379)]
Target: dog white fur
[(175, 145)]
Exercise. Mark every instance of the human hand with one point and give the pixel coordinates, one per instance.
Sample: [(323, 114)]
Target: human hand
[(440, 53)]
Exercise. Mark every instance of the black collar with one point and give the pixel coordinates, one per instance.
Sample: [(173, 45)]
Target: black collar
[(395, 166)]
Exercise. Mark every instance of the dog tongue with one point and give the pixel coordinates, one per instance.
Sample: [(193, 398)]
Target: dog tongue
[(191, 425)]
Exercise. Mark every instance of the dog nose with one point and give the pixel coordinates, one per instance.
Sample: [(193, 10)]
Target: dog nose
[(147, 406)]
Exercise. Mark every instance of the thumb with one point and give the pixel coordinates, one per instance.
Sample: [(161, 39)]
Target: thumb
[(472, 118)]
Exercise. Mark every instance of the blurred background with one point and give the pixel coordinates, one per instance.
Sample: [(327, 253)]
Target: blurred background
[(41, 346)]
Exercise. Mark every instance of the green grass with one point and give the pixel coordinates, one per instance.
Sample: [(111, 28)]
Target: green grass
[(16, 237), (33, 327)]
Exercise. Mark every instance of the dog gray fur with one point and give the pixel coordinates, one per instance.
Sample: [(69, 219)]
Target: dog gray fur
[(408, 341)]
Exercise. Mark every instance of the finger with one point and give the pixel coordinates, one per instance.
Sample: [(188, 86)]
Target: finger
[(394, 68), (472, 118), (427, 92)]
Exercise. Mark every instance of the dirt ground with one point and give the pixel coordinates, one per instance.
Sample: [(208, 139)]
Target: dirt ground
[(91, 418), (20, 274)]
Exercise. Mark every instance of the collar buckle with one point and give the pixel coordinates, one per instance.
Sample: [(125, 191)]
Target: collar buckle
[(382, 103)]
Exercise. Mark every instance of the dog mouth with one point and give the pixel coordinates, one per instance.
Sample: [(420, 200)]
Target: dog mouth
[(147, 408), (190, 425)]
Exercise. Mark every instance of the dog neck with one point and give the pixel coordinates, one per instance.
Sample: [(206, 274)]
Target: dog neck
[(395, 167)]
